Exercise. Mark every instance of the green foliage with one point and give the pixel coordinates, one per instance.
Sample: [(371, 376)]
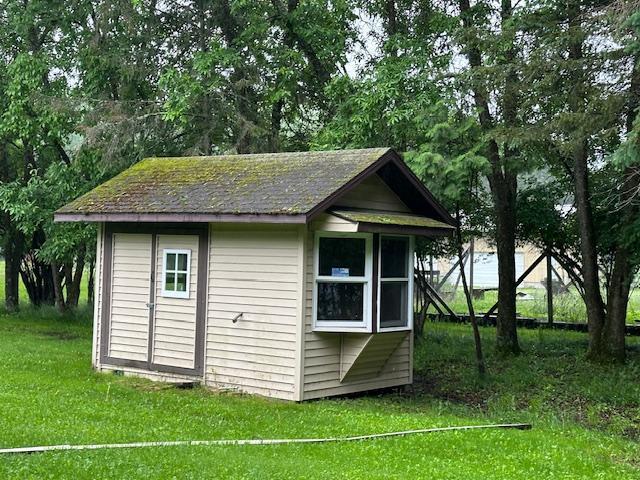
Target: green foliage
[(31, 207)]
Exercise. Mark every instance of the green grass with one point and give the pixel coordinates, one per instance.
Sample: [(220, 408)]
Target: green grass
[(585, 418), (568, 307)]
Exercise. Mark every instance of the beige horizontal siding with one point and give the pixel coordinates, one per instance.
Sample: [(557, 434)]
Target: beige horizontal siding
[(174, 331), (331, 223), (253, 271), (373, 194), (128, 329)]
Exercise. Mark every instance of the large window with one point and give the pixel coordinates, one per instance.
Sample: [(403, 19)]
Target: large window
[(342, 284), (395, 282), (344, 299), (175, 273)]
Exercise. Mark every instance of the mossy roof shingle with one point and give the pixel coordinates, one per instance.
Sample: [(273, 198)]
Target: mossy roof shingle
[(276, 183)]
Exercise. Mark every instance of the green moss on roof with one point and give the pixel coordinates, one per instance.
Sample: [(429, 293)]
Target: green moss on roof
[(388, 218), (276, 183)]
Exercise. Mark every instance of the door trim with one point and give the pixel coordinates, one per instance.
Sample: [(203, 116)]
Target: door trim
[(202, 231)]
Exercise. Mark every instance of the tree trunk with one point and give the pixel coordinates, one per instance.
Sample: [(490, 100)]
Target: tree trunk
[(613, 341), (12, 254), (73, 287), (503, 185), (36, 275), (12, 244), (624, 265), (504, 189), (588, 253), (504, 193), (57, 288), (580, 154)]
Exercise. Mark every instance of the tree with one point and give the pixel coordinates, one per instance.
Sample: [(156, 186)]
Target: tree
[(253, 77)]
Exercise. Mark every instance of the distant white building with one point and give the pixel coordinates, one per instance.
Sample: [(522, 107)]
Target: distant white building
[(485, 266)]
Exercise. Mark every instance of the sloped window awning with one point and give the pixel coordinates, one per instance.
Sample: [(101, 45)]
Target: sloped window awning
[(390, 223)]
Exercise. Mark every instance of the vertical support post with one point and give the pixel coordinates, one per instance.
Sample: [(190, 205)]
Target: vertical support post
[(471, 260), (431, 269), (549, 289)]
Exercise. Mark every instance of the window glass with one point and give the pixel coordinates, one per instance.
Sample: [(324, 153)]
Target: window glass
[(169, 281), (393, 304), (394, 261), (182, 261), (171, 261), (340, 302), (342, 257), (181, 283)]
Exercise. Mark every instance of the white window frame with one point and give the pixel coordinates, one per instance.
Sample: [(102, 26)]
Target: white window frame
[(408, 279), (172, 293), (366, 280)]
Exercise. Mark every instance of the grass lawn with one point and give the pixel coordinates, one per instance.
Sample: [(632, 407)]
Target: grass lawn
[(586, 419)]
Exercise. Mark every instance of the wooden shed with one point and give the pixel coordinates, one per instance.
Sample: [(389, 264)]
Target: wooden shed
[(288, 275)]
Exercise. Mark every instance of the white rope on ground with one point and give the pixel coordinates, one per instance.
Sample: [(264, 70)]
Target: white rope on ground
[(274, 441)]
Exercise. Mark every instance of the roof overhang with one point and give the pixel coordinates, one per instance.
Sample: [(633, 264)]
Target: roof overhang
[(392, 223), (178, 218)]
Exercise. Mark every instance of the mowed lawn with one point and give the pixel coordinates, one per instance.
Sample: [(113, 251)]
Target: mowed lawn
[(586, 419)]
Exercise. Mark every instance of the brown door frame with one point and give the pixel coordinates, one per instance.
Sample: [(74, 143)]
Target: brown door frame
[(202, 231)]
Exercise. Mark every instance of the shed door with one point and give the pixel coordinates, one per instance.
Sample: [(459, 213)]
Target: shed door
[(174, 326), (130, 297), (154, 302)]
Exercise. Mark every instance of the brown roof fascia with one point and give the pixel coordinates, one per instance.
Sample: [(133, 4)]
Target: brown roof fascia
[(404, 230)]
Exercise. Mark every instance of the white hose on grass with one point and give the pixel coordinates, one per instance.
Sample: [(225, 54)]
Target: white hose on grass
[(258, 441)]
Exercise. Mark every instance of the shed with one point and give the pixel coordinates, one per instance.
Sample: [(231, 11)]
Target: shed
[(288, 275)]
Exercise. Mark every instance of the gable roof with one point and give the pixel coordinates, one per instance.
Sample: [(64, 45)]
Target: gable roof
[(273, 187)]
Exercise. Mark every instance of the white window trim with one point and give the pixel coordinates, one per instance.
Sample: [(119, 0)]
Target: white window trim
[(409, 280), (366, 280), (172, 293)]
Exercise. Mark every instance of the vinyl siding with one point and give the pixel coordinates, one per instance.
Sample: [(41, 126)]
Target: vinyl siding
[(254, 271), (373, 194), (331, 223), (174, 329), (131, 268)]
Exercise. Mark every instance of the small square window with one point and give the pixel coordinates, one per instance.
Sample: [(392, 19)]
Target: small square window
[(175, 278)]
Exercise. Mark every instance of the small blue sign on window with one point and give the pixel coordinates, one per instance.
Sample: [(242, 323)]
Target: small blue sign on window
[(339, 272)]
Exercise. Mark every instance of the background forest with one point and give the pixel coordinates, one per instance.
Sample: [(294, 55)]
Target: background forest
[(521, 116)]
